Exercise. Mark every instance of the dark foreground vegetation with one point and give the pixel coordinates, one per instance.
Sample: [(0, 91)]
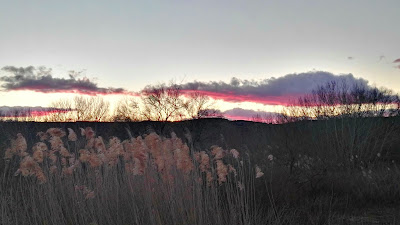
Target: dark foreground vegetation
[(333, 171)]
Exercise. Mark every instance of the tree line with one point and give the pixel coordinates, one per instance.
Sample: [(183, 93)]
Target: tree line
[(169, 103), (155, 103)]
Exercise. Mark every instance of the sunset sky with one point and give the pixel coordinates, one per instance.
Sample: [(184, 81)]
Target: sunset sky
[(246, 54)]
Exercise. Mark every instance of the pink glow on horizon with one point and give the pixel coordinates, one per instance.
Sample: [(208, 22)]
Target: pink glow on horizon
[(231, 97), (233, 117), (35, 113), (45, 113)]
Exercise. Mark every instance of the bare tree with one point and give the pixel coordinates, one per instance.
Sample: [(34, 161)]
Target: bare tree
[(91, 108), (197, 106), (80, 108), (335, 99), (127, 109), (169, 103), (63, 111)]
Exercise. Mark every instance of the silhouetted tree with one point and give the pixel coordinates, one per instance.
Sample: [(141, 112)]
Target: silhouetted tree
[(81, 108), (127, 110)]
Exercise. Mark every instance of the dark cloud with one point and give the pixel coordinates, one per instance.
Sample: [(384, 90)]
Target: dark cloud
[(26, 111), (280, 91), (248, 114), (397, 61), (350, 57), (41, 80)]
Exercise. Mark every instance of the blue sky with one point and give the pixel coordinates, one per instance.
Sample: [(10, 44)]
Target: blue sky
[(131, 44)]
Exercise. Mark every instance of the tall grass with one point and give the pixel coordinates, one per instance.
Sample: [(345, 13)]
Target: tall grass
[(69, 178)]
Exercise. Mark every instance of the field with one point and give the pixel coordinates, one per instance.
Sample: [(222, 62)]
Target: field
[(206, 171)]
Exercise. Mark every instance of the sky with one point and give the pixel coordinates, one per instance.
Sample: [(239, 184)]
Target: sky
[(249, 55)]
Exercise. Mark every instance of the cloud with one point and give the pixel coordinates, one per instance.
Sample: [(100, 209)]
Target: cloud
[(41, 80), (397, 61), (350, 57), (26, 111), (248, 114), (276, 91)]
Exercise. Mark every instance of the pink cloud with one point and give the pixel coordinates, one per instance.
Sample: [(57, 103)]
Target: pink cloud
[(271, 91), (41, 80)]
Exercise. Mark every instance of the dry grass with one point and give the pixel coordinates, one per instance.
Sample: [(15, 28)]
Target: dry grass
[(66, 179), (325, 172)]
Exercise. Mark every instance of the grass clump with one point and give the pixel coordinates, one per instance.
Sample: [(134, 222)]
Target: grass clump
[(70, 178)]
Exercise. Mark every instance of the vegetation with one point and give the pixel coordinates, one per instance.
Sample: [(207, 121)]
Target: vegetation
[(150, 180), (332, 159)]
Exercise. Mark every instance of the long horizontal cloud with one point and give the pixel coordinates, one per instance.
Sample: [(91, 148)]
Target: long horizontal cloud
[(278, 91), (248, 114), (26, 111), (41, 80)]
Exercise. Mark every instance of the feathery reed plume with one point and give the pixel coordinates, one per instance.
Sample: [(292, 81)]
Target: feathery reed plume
[(234, 153), (82, 131), (94, 160), (40, 146), (28, 167), (99, 145), (72, 135), (113, 152), (183, 160), (203, 159), (8, 154), (89, 133), (64, 152), (19, 146), (222, 171), (53, 158), (56, 143), (38, 155), (140, 155), (84, 155), (217, 152), (259, 173), (42, 135), (56, 132)]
